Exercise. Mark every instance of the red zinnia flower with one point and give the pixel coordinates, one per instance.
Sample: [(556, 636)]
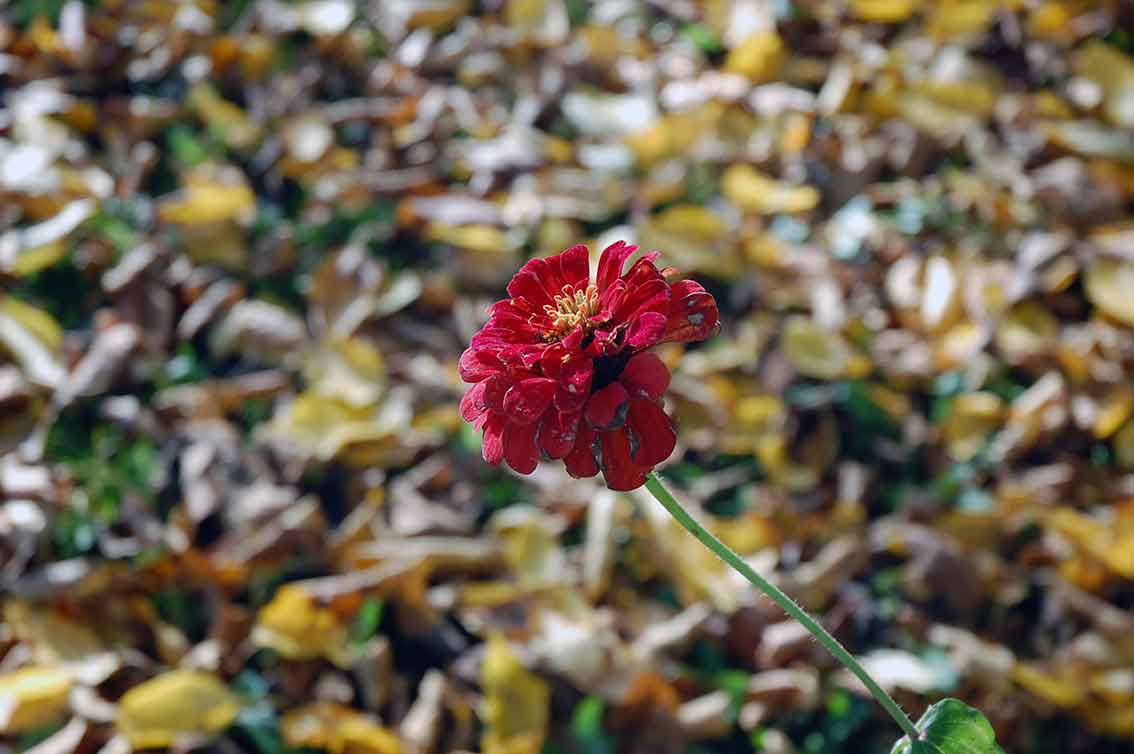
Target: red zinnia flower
[(560, 368)]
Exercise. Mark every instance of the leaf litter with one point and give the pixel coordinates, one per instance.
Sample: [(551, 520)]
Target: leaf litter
[(242, 246)]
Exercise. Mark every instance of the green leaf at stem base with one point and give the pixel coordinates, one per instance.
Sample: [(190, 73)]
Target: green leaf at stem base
[(951, 727)]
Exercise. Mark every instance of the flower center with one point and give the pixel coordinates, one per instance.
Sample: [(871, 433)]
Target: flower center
[(572, 308)]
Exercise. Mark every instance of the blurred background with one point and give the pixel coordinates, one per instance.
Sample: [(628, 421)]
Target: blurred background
[(242, 245)]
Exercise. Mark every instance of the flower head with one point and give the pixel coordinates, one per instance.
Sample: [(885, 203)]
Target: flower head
[(561, 370)]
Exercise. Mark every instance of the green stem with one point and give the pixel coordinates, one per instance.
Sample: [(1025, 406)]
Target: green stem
[(786, 603)]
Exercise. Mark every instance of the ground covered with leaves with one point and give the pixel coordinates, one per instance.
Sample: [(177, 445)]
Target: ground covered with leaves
[(242, 245)]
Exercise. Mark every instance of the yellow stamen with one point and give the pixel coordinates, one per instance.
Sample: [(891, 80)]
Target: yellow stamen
[(571, 309)]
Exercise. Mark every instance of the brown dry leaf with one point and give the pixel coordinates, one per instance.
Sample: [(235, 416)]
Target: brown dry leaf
[(177, 706)]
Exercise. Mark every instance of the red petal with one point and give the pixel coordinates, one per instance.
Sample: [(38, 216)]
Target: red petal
[(572, 267), (556, 357), (558, 432), (575, 385), (493, 446), (693, 313), (611, 262), (520, 447), (525, 284), (645, 376), (646, 330), (526, 401), (618, 469), (606, 410), (476, 365), (473, 403), (651, 296), (652, 432), (580, 462), (643, 269)]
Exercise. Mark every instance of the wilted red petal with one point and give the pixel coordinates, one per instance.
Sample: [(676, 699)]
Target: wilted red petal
[(693, 313), (618, 469), (646, 330), (580, 462), (520, 449), (526, 401), (645, 376), (652, 433), (643, 270), (606, 409), (493, 445), (611, 262), (557, 433)]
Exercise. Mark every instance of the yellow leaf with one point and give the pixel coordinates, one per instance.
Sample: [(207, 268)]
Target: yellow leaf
[(674, 133), (294, 625), (759, 57), (180, 704), (1110, 286), (515, 704), (487, 239), (209, 196), (814, 351), (32, 698), (237, 129), (1111, 543), (37, 321), (337, 729), (884, 11), (972, 417), (324, 428), (1124, 446), (756, 192), (691, 220), (31, 261), (32, 338), (960, 19), (1027, 330), (1114, 411), (694, 238), (1113, 72), (351, 369), (1058, 690), (531, 545), (436, 14)]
